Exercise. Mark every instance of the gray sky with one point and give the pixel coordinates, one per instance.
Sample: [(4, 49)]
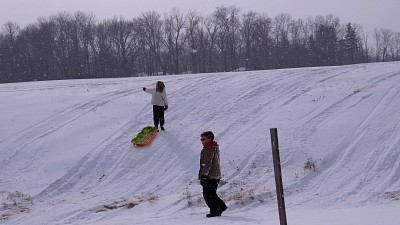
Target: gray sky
[(369, 13)]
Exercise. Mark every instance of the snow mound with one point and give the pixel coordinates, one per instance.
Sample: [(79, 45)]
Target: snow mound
[(65, 155)]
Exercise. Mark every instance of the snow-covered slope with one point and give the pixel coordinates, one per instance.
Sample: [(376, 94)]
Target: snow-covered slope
[(66, 156)]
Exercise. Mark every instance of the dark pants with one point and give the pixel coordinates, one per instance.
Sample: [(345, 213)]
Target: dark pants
[(210, 196), (158, 115)]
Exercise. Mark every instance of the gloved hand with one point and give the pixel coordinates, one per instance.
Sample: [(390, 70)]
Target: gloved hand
[(203, 181), (165, 108), (144, 89)]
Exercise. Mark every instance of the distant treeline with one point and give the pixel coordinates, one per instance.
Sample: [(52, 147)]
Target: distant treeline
[(73, 46)]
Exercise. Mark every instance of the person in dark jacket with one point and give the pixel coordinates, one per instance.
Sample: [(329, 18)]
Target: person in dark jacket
[(210, 174), (160, 103)]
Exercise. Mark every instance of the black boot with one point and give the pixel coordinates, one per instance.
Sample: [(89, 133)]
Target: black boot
[(213, 215), (222, 209)]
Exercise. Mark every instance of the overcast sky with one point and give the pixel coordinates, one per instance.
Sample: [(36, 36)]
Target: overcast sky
[(369, 13)]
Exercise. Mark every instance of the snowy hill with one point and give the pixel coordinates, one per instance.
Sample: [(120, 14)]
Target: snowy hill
[(65, 155)]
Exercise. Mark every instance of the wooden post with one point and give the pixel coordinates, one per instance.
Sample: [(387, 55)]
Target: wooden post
[(278, 176)]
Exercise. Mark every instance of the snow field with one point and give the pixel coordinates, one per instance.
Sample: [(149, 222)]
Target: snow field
[(64, 146)]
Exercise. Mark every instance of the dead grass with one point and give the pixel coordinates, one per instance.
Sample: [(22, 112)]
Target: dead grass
[(392, 195), (149, 197), (246, 196), (310, 165), (118, 205), (14, 203)]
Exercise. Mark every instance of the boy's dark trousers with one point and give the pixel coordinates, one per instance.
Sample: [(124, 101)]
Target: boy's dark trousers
[(158, 115), (210, 196)]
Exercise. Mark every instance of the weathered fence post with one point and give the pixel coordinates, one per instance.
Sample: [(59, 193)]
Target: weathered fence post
[(278, 176)]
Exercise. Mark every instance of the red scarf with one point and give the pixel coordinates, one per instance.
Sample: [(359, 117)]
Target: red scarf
[(210, 144)]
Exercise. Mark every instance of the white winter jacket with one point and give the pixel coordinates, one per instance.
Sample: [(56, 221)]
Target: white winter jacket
[(157, 98)]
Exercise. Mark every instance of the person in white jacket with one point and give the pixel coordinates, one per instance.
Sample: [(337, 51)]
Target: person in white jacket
[(159, 102)]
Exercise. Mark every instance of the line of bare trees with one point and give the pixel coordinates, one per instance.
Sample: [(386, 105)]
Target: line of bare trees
[(73, 46)]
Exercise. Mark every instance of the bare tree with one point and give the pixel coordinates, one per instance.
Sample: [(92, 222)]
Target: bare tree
[(396, 46), (9, 51), (11, 30), (248, 35), (153, 35), (386, 43), (298, 38), (211, 39), (86, 33), (228, 23), (378, 44), (264, 43), (364, 43), (174, 26), (121, 33), (195, 37), (256, 40), (42, 57), (281, 33)]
